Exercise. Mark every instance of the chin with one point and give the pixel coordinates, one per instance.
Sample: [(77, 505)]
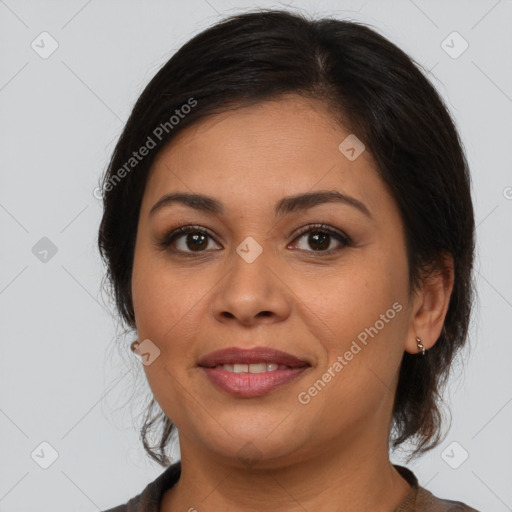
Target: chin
[(250, 439)]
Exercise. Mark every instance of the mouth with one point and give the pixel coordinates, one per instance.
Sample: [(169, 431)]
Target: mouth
[(254, 357), (251, 372), (253, 367)]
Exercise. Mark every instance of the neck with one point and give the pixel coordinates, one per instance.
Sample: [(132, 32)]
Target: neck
[(352, 479)]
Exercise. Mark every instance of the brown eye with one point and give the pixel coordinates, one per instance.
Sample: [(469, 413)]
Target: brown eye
[(187, 239), (321, 238), (318, 241), (195, 242)]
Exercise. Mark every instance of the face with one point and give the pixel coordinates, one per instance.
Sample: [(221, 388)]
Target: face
[(323, 279)]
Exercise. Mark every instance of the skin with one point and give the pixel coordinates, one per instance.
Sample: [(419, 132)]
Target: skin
[(328, 454)]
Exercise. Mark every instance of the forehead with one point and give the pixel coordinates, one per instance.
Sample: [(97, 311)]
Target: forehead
[(263, 151)]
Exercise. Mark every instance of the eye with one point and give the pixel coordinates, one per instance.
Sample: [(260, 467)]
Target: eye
[(187, 239), (195, 239), (320, 237)]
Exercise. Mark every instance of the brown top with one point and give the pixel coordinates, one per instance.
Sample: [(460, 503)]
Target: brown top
[(417, 499)]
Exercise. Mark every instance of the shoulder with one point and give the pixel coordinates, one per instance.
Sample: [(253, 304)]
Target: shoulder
[(419, 499), (149, 499), (427, 501)]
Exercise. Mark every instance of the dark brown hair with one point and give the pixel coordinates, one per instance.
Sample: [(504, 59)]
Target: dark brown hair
[(375, 90)]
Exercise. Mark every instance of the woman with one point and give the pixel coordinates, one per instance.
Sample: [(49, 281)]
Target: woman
[(289, 229)]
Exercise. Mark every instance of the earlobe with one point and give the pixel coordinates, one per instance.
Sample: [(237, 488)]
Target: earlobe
[(430, 307)]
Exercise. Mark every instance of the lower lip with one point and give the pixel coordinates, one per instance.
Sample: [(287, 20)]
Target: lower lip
[(251, 384)]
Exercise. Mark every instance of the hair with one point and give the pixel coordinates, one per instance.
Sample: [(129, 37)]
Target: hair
[(372, 88)]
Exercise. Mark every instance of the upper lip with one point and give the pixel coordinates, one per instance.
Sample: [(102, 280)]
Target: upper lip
[(249, 356)]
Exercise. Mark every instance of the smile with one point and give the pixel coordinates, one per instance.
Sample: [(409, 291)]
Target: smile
[(253, 368)]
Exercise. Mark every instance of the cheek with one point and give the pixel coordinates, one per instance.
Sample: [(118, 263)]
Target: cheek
[(159, 299), (167, 305), (170, 305), (360, 316), (356, 298), (363, 350)]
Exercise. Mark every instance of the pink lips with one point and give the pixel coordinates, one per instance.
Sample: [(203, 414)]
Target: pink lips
[(251, 384), (247, 356)]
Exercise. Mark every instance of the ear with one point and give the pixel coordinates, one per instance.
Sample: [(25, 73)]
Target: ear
[(430, 305)]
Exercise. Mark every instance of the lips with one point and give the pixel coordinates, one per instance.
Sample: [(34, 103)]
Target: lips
[(251, 372), (232, 356)]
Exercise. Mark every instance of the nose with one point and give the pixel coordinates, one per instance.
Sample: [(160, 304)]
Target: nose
[(251, 293)]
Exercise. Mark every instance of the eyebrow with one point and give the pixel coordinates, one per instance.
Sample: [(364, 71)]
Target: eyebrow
[(285, 206)]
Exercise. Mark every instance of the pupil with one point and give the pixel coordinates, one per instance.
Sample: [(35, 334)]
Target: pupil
[(198, 241), (324, 240)]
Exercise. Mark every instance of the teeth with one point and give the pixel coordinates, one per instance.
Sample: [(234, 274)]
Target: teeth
[(253, 368)]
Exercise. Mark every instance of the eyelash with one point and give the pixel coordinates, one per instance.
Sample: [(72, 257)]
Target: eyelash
[(172, 236)]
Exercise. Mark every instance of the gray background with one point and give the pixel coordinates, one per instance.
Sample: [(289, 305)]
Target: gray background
[(62, 378)]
